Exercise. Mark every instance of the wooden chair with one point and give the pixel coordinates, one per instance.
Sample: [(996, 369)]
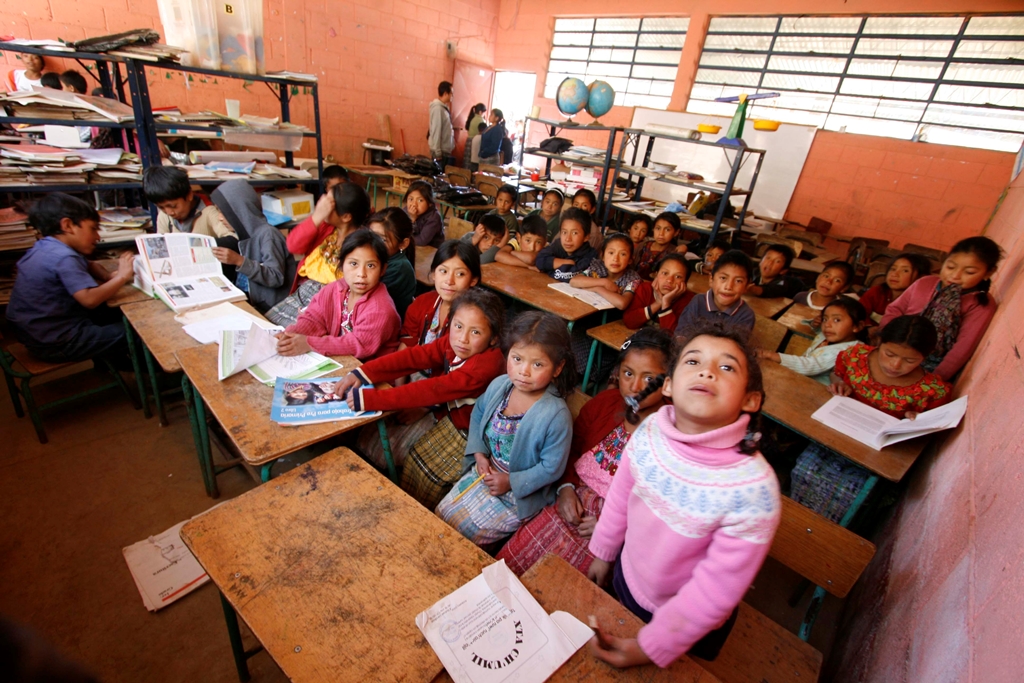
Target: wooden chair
[(20, 368), (936, 256), (814, 239), (863, 250), (764, 240), (487, 185), (458, 176), (457, 227), (492, 170)]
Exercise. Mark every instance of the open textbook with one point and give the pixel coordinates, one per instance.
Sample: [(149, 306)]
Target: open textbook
[(493, 630), (878, 430), (587, 296), (180, 270), (255, 350)]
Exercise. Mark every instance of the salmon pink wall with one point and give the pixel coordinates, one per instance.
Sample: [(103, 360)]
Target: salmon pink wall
[(943, 598), (372, 57)]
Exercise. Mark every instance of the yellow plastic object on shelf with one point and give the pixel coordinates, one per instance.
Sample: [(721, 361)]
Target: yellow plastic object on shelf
[(766, 124), (708, 128)]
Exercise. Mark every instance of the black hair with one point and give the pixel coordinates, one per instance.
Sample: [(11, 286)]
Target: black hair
[(510, 190), (75, 80), (584, 192), (919, 263), (464, 251), (755, 381), (476, 109), (555, 190), (334, 172), (986, 251), (46, 213), (618, 237), (734, 257), (915, 331), (641, 218), (50, 80), (422, 188), (847, 269), (97, 92), (500, 114), (549, 332), (364, 238), (310, 395), (493, 224), (165, 183), (443, 88), (351, 199), (579, 215), (397, 224), (487, 302), (671, 218), (855, 309), (785, 251), (645, 339), (534, 225), (718, 244), (678, 258)]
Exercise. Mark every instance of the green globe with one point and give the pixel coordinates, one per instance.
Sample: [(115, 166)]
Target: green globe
[(602, 97), (572, 96)]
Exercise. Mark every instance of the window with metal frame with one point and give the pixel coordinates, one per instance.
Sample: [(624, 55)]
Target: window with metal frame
[(952, 80), (638, 57)]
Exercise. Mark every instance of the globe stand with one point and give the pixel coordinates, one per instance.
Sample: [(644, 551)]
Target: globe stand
[(569, 123)]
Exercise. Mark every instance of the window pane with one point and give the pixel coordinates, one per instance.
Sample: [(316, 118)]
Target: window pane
[(814, 44), (800, 82), (658, 56), (723, 59), (620, 39), (914, 26), (995, 26), (574, 24), (866, 126), (872, 106), (662, 87), (639, 86), (712, 108), (805, 118), (800, 100), (666, 24), (667, 73), (744, 24), (982, 72), (617, 25), (561, 67), (662, 40), (904, 47), (820, 24), (605, 69), (710, 92), (618, 84), (620, 55), (727, 77), (821, 65), (863, 86), (983, 139), (602, 54), (569, 53), (649, 101), (902, 68), (969, 94), (572, 39), (975, 117), (996, 49), (751, 43)]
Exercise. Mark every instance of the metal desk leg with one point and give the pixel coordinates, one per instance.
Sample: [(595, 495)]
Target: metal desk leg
[(154, 380), (385, 442), (265, 469), (238, 650), (133, 352), (590, 364), (197, 418)]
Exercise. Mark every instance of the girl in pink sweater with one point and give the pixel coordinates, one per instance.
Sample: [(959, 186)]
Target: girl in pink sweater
[(956, 301), (352, 316), (693, 508)]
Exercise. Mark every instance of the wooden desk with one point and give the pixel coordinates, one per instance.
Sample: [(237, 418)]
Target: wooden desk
[(613, 335), (373, 174), (424, 257), (794, 318), (807, 266), (531, 288), (241, 404), (127, 295), (328, 566)]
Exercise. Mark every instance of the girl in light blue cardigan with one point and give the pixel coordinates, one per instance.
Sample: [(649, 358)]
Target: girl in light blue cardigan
[(519, 434)]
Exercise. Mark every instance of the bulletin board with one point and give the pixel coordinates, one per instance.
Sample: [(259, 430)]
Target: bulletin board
[(786, 149)]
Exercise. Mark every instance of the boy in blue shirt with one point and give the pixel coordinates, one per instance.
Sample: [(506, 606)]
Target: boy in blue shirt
[(724, 301), (571, 253), (56, 305)]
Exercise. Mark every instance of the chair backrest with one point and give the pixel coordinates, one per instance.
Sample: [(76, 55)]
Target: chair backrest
[(812, 238), (458, 176), (491, 169), (863, 249), (487, 185), (819, 550), (457, 227), (768, 334), (576, 400), (876, 273), (764, 240), (936, 256)]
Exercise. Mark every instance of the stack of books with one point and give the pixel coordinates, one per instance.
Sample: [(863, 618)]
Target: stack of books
[(15, 232), (122, 223), (42, 165), (48, 103), (113, 165), (230, 170)]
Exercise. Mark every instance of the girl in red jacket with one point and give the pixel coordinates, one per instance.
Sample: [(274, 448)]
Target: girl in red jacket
[(462, 364), (352, 316), (455, 268), (660, 302)]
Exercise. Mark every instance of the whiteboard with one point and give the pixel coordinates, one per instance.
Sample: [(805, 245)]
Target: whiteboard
[(786, 151)]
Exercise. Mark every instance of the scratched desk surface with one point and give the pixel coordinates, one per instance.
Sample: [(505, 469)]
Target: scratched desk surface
[(329, 564), (531, 288)]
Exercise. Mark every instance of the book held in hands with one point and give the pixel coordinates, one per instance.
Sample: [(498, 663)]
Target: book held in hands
[(306, 402), (874, 428), (181, 270)]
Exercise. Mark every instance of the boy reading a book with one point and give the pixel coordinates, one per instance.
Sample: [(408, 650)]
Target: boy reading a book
[(56, 306), (181, 210)]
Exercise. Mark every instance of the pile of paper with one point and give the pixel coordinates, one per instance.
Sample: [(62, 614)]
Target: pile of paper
[(214, 119), (48, 103), (15, 233), (113, 165), (230, 170), (42, 165), (121, 223)]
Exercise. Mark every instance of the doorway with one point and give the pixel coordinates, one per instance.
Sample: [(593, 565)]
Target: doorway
[(513, 95)]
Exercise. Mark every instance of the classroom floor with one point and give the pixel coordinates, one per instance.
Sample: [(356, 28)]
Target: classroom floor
[(109, 478)]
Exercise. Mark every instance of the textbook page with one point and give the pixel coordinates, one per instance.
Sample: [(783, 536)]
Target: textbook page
[(163, 568), (173, 256), (241, 348), (584, 295), (208, 331), (492, 630), (877, 430), (934, 420), (188, 293)]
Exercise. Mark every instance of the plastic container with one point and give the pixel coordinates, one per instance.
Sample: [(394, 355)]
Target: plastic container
[(192, 25), (240, 30), (766, 124), (708, 128)]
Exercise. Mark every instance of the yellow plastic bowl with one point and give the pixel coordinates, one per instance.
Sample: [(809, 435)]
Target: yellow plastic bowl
[(766, 124), (708, 128)]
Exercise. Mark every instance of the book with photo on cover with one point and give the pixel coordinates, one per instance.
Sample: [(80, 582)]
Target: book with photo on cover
[(306, 402), (181, 270)]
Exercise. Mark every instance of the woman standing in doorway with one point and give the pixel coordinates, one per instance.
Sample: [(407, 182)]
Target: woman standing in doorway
[(475, 124)]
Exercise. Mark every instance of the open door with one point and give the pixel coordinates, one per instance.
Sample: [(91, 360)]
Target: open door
[(472, 83)]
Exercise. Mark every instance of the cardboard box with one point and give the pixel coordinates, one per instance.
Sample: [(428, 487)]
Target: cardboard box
[(295, 204)]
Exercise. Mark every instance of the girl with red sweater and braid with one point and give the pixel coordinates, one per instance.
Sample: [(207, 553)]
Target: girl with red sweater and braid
[(462, 363), (659, 303)]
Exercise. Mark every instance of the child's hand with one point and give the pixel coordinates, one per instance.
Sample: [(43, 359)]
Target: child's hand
[(570, 509), (682, 249), (478, 234), (840, 389), (225, 255), (289, 344), (497, 483), (559, 262), (600, 571), (347, 384), (618, 652), (533, 268), (125, 267), (324, 208), (586, 527), (764, 354), (911, 415), (816, 322), (483, 464), (504, 239), (672, 295)]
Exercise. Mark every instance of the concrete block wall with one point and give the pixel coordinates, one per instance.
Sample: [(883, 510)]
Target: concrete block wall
[(372, 57)]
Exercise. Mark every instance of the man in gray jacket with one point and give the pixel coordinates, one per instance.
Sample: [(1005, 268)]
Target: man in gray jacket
[(441, 136)]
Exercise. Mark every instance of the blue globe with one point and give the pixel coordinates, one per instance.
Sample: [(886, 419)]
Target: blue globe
[(572, 96), (602, 97)]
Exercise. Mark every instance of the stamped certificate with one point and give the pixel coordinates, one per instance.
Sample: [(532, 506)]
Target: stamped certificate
[(493, 630)]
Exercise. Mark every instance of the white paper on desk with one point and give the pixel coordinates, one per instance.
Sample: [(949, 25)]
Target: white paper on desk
[(874, 428), (209, 331), (163, 568), (241, 348), (585, 295), (492, 629)]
